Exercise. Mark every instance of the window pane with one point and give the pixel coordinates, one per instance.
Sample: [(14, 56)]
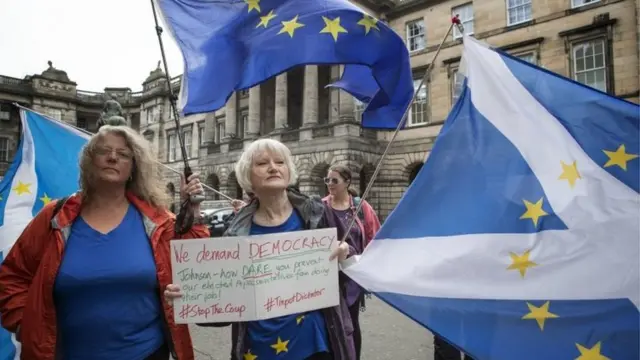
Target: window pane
[(588, 62), (465, 12)]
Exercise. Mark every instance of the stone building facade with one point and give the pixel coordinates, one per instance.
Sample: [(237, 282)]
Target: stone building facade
[(596, 42)]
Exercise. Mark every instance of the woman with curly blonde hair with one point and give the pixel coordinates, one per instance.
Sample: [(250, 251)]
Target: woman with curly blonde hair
[(84, 279)]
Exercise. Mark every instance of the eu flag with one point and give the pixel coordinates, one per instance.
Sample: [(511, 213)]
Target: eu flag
[(518, 239), (229, 45), (44, 168)]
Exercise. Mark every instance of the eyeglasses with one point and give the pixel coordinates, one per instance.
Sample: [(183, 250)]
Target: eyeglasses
[(331, 181), (120, 154)]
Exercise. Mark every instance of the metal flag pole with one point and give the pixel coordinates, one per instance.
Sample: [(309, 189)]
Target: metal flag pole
[(455, 21), (91, 134), (184, 219)]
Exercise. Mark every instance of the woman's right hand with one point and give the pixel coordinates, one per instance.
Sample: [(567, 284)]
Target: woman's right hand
[(237, 204), (172, 292)]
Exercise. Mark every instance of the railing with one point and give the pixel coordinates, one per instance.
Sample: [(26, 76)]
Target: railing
[(90, 96), (323, 131), (235, 145), (213, 149), (368, 134), (7, 81), (290, 136)]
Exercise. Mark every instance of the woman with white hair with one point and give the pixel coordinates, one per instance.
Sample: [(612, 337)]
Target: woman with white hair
[(84, 279), (266, 169)]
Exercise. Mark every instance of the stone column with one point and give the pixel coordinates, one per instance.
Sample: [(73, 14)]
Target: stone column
[(334, 101), (253, 126), (281, 120), (209, 128), (230, 116), (310, 101), (346, 104)]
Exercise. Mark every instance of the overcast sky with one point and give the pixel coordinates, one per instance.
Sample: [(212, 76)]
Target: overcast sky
[(99, 43)]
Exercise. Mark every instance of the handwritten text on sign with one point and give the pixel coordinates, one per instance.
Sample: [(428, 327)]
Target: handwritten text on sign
[(254, 277)]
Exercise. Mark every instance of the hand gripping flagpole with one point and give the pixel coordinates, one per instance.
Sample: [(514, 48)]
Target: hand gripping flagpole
[(455, 21), (185, 217)]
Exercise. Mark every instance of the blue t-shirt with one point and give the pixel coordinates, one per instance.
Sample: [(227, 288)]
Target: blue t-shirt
[(106, 293), (290, 337)]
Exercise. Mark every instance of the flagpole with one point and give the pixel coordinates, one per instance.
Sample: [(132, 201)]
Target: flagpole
[(91, 134), (455, 21)]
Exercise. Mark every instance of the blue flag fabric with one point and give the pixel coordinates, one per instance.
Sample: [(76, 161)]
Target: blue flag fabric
[(230, 45), (44, 168), (518, 239)]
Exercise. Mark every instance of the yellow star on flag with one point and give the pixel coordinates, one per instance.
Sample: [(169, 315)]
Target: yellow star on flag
[(591, 354), (521, 262), (22, 188), (299, 319), (249, 356), (253, 5), (280, 346), (290, 26), (45, 199), (333, 27), (570, 173), (540, 314), (369, 23), (264, 20), (619, 157), (534, 211)]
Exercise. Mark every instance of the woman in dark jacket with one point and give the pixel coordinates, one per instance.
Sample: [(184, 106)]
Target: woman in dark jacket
[(266, 169)]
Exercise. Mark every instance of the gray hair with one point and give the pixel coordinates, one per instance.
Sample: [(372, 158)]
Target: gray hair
[(245, 163)]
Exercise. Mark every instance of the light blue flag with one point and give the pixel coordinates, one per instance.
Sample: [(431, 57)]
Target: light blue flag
[(44, 168), (229, 45), (519, 238)]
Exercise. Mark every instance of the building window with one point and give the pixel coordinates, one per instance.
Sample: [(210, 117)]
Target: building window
[(4, 149), (589, 66), (219, 132), (187, 136), (529, 57), (358, 109), (201, 134), (54, 113), (456, 86), (465, 12), (171, 146), (418, 113), (416, 35), (241, 125), (149, 137), (244, 93), (81, 123), (578, 3), (518, 11)]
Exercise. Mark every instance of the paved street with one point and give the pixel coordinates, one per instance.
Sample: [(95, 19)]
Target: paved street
[(384, 328)]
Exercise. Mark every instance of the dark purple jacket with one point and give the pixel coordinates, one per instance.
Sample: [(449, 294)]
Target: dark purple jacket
[(316, 215)]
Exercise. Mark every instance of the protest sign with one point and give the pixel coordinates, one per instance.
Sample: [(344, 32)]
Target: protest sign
[(254, 277)]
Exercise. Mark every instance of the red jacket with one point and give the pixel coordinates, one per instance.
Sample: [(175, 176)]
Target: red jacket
[(370, 226), (28, 273)]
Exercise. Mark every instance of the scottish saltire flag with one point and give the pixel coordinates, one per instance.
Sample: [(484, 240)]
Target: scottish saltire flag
[(44, 168), (230, 45), (520, 236)]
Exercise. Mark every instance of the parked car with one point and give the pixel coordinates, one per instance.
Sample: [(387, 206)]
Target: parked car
[(216, 219)]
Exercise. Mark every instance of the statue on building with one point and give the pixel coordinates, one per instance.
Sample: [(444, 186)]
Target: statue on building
[(111, 114)]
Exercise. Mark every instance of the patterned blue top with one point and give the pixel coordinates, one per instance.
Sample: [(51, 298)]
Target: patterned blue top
[(290, 337)]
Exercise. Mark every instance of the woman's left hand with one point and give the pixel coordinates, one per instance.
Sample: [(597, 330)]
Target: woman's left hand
[(190, 187), (341, 252)]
